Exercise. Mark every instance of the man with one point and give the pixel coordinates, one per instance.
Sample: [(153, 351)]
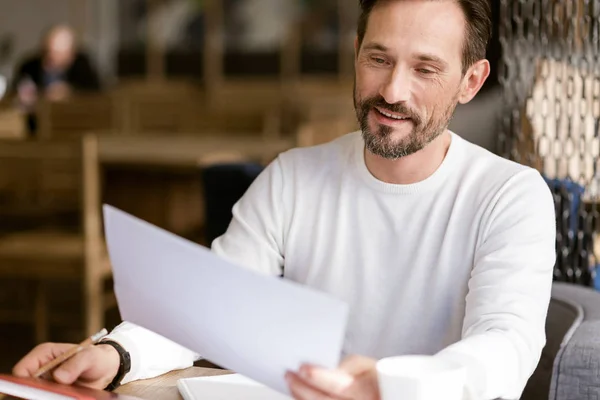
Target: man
[(56, 73), (438, 246)]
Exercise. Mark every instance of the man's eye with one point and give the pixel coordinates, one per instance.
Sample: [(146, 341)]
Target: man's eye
[(378, 60), (425, 71)]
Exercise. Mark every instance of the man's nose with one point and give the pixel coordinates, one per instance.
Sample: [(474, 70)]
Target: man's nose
[(397, 87)]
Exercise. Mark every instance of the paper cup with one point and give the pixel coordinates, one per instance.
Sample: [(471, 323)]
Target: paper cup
[(420, 378)]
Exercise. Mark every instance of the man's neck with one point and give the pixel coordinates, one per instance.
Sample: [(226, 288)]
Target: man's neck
[(413, 168)]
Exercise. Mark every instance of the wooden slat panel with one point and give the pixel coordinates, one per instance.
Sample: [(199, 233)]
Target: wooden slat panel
[(76, 116), (57, 174), (40, 178), (156, 106), (12, 124)]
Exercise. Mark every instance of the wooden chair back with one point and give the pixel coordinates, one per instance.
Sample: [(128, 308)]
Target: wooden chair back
[(247, 95), (52, 178), (259, 123), (75, 116), (40, 178), (57, 184), (151, 107), (12, 124), (250, 105)]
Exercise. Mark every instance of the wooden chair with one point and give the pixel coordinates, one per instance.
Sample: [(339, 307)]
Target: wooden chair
[(246, 105), (246, 95), (162, 106), (179, 108), (75, 116), (12, 124), (56, 184), (243, 122)]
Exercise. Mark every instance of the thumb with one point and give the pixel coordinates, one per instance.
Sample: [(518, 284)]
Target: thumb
[(71, 370), (356, 365)]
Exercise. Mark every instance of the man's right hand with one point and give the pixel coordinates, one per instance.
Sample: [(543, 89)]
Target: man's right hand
[(94, 366)]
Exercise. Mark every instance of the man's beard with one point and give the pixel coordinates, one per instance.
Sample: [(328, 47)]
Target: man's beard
[(381, 142)]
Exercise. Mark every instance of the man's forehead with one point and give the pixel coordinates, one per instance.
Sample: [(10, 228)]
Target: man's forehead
[(60, 41), (438, 25)]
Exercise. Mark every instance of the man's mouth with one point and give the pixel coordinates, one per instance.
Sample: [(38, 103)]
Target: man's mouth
[(391, 115)]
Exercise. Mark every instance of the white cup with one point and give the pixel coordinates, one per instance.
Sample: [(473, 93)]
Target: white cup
[(416, 377)]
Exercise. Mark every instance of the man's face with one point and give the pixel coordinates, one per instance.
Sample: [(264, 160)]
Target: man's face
[(408, 74), (60, 48)]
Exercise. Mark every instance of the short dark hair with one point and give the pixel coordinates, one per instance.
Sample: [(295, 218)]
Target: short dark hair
[(478, 15)]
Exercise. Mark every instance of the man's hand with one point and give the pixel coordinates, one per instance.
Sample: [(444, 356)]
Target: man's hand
[(94, 366), (28, 94), (59, 91), (355, 378)]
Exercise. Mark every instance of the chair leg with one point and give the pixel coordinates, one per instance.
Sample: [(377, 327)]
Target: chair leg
[(41, 313), (94, 307)]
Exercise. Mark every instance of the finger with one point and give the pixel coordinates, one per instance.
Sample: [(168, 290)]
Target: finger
[(364, 371), (301, 390), (356, 365), (39, 356), (73, 368), (327, 380)]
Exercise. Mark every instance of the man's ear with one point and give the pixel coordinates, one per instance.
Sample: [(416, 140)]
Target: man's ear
[(474, 80)]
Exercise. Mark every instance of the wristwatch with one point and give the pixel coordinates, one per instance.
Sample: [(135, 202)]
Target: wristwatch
[(124, 365)]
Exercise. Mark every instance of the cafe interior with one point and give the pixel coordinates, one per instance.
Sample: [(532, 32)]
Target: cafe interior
[(173, 107)]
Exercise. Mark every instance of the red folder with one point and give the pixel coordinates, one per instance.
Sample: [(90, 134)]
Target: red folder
[(73, 392)]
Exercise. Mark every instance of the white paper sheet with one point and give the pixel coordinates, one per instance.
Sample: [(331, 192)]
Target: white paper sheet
[(258, 326), (226, 387)]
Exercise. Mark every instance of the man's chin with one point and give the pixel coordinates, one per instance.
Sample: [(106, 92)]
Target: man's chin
[(393, 134), (386, 153)]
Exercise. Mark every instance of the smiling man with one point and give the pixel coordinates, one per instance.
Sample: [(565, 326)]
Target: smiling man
[(438, 246)]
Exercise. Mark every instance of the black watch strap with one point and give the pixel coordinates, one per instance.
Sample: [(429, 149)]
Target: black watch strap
[(124, 365)]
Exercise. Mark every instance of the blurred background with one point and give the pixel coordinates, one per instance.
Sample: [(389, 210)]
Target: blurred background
[(168, 109)]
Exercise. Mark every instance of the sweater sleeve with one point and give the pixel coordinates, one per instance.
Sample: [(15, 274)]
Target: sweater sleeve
[(509, 291), (151, 354), (253, 240)]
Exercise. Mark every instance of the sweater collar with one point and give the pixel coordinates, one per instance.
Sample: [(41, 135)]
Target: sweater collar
[(430, 183)]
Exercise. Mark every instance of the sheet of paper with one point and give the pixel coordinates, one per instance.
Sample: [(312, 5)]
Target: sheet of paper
[(226, 387), (256, 325)]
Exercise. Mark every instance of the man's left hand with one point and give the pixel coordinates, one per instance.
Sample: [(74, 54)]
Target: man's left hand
[(59, 91), (355, 378)]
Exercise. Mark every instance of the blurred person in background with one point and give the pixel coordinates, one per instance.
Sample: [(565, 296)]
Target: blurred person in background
[(58, 70)]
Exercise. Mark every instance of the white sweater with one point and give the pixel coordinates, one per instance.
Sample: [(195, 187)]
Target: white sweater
[(458, 265)]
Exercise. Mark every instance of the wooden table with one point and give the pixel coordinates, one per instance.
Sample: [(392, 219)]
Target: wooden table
[(164, 387), (187, 151)]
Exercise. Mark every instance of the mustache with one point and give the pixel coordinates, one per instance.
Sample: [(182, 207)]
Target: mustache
[(398, 108)]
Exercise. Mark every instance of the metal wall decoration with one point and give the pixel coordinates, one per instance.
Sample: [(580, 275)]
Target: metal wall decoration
[(550, 76)]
